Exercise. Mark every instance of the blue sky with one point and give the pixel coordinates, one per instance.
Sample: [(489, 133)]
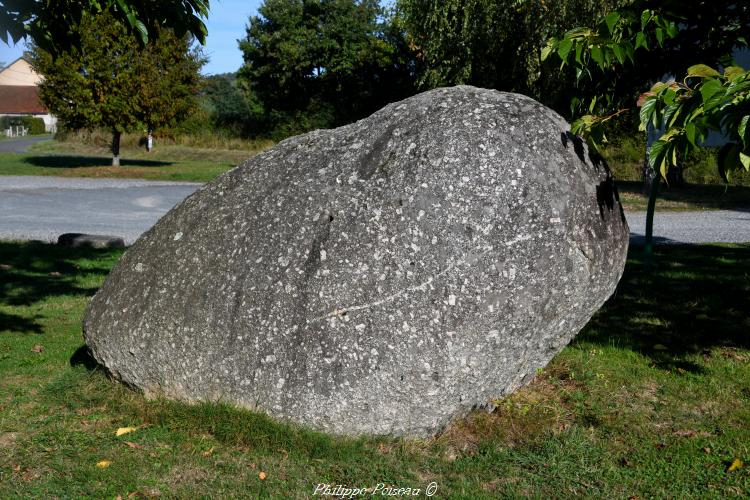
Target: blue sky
[(226, 24)]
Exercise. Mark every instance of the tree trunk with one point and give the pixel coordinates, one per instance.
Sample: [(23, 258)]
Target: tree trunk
[(651, 180), (648, 245), (648, 175), (116, 148)]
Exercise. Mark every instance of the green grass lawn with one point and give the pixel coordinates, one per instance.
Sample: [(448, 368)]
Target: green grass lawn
[(168, 162), (651, 400), (688, 197)]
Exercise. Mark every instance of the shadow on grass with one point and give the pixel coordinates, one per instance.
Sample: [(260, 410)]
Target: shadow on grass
[(83, 357), (695, 300), (34, 272), (66, 161), (709, 196)]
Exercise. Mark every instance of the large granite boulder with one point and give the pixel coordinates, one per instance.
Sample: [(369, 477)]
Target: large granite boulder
[(383, 277)]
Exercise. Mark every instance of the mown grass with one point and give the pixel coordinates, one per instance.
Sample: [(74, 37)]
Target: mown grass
[(704, 189), (688, 197), (652, 399), (173, 162)]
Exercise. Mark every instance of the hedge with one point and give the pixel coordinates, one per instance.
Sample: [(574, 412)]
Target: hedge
[(34, 125)]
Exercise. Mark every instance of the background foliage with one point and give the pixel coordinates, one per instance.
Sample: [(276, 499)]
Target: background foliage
[(111, 81), (322, 63)]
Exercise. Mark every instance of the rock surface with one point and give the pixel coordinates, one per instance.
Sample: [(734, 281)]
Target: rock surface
[(383, 277)]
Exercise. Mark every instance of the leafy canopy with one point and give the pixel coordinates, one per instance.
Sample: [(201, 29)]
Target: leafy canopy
[(319, 63), (51, 24), (494, 43), (685, 111), (112, 81)]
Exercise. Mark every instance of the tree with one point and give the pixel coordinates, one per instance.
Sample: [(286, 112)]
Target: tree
[(493, 43), (683, 110), (318, 63), (51, 24), (228, 107), (111, 81)]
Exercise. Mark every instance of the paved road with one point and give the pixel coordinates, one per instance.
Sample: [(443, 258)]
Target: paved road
[(42, 208), (708, 226), (21, 144)]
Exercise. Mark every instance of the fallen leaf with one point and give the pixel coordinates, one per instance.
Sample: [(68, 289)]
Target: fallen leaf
[(134, 445), (17, 468), (207, 453), (5, 267), (685, 433), (262, 476), (55, 274), (125, 430), (37, 348), (707, 450), (103, 464), (736, 464), (253, 466)]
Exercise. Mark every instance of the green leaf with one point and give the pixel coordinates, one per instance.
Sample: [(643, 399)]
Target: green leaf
[(656, 154), (645, 18), (660, 36), (611, 21), (712, 93), (672, 30), (619, 53), (142, 31), (647, 110), (691, 132), (745, 160), (579, 51), (703, 71), (669, 96), (671, 113), (640, 41), (598, 56), (658, 86), (563, 48), (742, 129), (547, 50), (733, 72)]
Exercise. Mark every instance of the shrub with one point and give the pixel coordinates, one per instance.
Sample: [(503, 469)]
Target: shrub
[(35, 126)]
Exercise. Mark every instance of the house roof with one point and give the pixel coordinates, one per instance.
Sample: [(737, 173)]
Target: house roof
[(20, 99)]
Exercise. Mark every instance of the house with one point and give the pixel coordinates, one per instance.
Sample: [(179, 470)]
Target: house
[(19, 94)]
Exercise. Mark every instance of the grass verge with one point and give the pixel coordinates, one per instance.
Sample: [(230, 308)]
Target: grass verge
[(651, 399), (169, 162), (688, 197)]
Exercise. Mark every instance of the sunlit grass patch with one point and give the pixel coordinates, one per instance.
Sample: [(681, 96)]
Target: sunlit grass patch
[(652, 399)]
